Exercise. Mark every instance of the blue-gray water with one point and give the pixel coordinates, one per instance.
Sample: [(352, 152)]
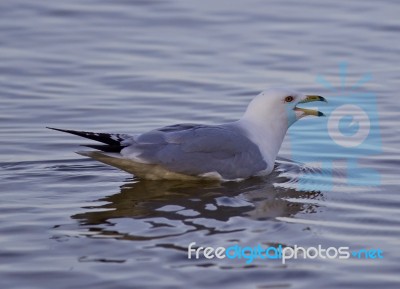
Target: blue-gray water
[(129, 66)]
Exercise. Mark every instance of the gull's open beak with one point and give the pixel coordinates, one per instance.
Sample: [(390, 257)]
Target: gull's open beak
[(311, 98)]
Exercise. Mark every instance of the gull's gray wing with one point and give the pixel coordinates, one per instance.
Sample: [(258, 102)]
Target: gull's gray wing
[(198, 149)]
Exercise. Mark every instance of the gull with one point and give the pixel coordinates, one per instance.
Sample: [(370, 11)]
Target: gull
[(227, 152)]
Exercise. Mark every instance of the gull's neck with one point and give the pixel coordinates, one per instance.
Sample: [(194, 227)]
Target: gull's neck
[(266, 132)]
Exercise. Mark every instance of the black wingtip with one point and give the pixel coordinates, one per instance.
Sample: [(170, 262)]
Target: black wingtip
[(113, 140), (75, 132), (59, 129)]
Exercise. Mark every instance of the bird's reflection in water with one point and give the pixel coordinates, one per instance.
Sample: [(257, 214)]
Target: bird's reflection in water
[(172, 201)]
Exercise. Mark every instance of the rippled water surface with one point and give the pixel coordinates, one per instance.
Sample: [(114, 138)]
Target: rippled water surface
[(129, 66)]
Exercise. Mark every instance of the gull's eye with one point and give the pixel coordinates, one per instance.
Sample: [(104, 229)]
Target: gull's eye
[(289, 98)]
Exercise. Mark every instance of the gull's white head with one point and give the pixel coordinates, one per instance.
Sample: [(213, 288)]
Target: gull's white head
[(270, 114), (280, 105)]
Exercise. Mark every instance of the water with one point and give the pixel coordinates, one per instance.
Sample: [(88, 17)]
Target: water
[(69, 222)]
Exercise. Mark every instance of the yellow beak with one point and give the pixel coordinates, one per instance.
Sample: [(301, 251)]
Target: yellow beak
[(311, 98)]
